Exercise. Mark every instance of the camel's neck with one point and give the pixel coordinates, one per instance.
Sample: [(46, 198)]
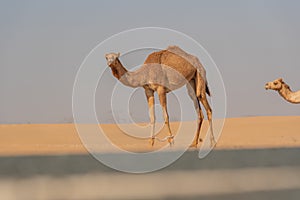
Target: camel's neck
[(287, 94), (130, 79)]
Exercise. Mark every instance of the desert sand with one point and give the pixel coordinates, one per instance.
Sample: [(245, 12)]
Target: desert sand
[(238, 133), (255, 158)]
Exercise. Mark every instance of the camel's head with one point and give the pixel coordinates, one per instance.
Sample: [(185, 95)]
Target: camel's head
[(274, 85), (111, 58)]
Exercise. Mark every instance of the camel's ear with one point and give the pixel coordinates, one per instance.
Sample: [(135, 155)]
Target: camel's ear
[(106, 55), (281, 80), (118, 54)]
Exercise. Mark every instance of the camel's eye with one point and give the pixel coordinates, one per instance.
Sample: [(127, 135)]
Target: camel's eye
[(275, 83)]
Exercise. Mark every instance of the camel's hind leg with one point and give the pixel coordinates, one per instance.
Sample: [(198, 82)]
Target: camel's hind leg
[(208, 109), (150, 98), (163, 102), (191, 87)]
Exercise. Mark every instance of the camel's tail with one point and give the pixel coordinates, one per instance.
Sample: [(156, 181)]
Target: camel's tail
[(207, 89)]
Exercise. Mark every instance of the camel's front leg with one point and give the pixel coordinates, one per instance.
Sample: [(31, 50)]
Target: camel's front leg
[(150, 98), (163, 102)]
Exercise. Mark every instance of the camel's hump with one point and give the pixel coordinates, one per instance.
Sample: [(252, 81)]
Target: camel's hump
[(154, 57)]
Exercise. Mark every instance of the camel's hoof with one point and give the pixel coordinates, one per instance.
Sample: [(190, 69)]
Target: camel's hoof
[(171, 140), (151, 141), (194, 145)]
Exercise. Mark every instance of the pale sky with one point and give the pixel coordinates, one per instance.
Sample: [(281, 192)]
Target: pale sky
[(43, 43)]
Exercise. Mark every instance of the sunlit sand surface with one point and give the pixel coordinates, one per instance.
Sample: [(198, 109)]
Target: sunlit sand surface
[(238, 133)]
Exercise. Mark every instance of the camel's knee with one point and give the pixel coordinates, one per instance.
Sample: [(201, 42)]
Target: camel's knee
[(201, 94), (166, 117)]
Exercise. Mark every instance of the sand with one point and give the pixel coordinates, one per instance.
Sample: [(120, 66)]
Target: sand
[(238, 133)]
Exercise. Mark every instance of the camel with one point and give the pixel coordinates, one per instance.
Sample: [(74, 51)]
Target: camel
[(162, 72), (284, 90)]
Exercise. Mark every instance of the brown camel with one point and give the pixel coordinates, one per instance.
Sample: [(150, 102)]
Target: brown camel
[(284, 90), (162, 72)]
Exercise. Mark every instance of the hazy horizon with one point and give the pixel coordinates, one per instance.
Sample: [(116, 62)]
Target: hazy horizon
[(44, 43)]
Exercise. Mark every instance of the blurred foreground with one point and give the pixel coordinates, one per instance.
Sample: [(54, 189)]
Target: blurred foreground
[(223, 174)]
